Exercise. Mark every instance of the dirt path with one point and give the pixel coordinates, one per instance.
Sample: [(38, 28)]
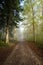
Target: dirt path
[(22, 55)]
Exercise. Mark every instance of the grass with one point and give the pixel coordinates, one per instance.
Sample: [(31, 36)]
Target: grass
[(3, 44), (39, 40)]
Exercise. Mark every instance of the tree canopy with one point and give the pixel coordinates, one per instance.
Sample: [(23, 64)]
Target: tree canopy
[(9, 12)]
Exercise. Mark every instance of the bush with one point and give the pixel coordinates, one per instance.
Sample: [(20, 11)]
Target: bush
[(3, 44)]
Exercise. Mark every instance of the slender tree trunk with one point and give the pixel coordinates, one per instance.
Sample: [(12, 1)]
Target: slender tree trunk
[(34, 36), (7, 35), (34, 39), (42, 9)]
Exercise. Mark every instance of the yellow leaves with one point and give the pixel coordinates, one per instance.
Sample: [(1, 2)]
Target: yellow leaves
[(41, 1), (41, 17), (27, 8), (33, 4)]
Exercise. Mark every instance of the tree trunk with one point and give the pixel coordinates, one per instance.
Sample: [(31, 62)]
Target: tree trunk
[(42, 9), (34, 36), (7, 35)]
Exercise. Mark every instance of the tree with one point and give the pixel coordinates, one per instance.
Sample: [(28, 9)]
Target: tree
[(29, 8), (10, 12)]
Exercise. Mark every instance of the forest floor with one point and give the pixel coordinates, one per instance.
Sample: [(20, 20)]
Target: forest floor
[(23, 53)]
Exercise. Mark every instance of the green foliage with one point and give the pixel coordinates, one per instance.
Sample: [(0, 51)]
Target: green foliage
[(39, 40), (41, 17), (7, 13), (33, 12), (3, 44)]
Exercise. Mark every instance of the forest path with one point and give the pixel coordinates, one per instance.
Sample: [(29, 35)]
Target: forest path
[(22, 54)]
